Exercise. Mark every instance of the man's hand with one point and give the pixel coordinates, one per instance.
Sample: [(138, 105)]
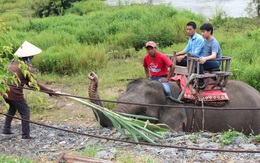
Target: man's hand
[(202, 60), (164, 80), (179, 58), (52, 93)]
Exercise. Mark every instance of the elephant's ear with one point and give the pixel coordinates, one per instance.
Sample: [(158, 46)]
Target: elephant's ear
[(175, 118), (180, 120)]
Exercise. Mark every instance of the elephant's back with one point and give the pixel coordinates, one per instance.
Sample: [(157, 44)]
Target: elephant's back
[(242, 94)]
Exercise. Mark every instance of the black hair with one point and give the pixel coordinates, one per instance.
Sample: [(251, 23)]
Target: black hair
[(207, 27), (26, 60), (193, 24)]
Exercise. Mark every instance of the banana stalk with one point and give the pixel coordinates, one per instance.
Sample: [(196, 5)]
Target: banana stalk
[(135, 128)]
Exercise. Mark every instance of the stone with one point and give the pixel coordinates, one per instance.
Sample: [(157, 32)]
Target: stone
[(61, 134), (189, 154), (240, 140), (210, 145), (208, 156), (206, 135), (248, 146)]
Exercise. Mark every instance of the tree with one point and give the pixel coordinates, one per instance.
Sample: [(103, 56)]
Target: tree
[(6, 48), (52, 7), (6, 53), (253, 8), (257, 2)]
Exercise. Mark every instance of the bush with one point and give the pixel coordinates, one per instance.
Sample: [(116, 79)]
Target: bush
[(71, 59), (83, 8), (52, 7), (251, 75), (228, 137), (11, 17)]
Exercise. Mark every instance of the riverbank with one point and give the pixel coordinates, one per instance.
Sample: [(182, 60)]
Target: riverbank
[(207, 8)]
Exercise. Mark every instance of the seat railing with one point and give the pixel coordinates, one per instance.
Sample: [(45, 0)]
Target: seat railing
[(221, 77)]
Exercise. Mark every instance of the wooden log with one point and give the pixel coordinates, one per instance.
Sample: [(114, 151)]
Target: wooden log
[(69, 158)]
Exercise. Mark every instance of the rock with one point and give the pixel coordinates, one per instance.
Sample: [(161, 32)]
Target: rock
[(61, 134), (248, 146), (50, 143), (189, 154), (168, 135), (105, 154), (51, 135), (208, 156), (179, 138), (28, 155), (154, 151), (257, 155), (62, 142), (210, 145), (206, 135), (168, 151), (240, 140), (202, 140)]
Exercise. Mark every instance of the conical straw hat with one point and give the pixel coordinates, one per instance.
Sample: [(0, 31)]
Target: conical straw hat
[(27, 49)]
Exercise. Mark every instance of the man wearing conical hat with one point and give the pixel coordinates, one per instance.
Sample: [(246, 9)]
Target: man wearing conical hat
[(15, 97)]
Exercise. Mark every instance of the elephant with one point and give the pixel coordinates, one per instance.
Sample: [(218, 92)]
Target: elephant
[(180, 118)]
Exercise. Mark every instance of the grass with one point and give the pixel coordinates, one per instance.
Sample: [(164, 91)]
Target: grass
[(91, 151), (101, 37), (14, 159), (228, 137), (257, 138)]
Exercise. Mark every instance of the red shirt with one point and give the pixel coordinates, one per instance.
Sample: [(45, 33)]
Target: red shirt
[(158, 66)]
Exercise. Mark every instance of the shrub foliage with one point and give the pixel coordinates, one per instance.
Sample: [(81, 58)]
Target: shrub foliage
[(90, 33), (52, 7)]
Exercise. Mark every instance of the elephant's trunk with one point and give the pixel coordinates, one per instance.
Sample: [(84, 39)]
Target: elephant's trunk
[(93, 94), (93, 89)]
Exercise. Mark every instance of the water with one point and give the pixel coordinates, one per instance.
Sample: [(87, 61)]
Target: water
[(233, 8)]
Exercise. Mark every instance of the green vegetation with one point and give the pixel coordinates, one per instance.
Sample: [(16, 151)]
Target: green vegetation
[(253, 8), (38, 102), (257, 138), (228, 137), (91, 35), (91, 151), (13, 159)]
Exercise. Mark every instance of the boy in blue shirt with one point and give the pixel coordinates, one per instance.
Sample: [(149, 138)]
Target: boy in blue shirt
[(212, 50)]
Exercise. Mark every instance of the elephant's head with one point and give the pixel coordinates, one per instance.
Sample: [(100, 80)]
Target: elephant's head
[(145, 91)]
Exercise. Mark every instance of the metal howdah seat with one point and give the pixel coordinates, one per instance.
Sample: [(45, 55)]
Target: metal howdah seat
[(216, 79)]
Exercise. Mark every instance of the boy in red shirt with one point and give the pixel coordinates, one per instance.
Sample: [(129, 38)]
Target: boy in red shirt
[(156, 64)]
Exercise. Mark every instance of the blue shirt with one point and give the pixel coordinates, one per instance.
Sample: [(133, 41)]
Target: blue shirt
[(212, 46), (195, 46)]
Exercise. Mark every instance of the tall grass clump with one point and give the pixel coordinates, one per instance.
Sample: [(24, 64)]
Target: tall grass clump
[(85, 7), (71, 59)]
